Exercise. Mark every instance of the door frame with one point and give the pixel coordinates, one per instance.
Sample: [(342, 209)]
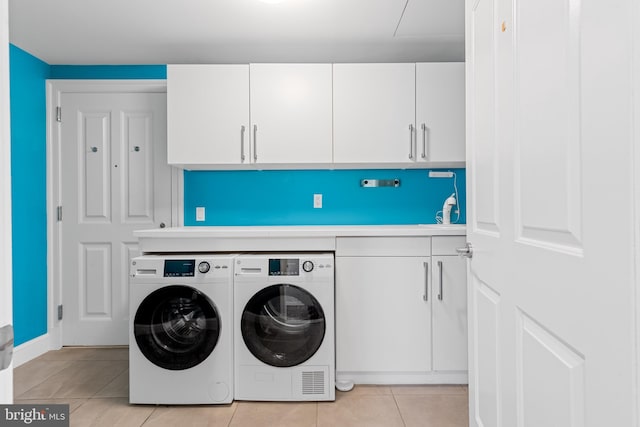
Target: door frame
[(635, 100), (6, 277), (55, 90)]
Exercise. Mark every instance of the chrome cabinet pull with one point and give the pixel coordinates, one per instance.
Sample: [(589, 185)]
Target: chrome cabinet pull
[(424, 140), (242, 157), (255, 143), (440, 274), (426, 281), (411, 142)]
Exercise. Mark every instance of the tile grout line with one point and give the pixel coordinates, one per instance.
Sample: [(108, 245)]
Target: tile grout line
[(234, 413), (398, 408)]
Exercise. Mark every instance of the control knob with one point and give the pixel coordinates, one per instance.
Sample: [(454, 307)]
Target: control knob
[(307, 266), (204, 267)]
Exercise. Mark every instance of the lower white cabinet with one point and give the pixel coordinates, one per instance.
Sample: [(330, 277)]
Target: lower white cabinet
[(449, 321), (382, 322), (400, 310)]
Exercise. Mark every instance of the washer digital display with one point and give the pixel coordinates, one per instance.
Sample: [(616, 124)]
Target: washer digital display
[(284, 267), (179, 267)]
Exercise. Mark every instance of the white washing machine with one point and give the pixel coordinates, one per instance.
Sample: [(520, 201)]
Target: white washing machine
[(181, 329), (284, 327)]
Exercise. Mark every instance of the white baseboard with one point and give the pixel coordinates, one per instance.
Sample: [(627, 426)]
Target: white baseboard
[(404, 378), (31, 349)]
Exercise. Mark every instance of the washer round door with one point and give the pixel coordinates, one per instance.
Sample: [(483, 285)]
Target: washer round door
[(176, 327), (283, 325)]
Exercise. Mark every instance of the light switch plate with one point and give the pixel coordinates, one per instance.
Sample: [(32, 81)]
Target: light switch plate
[(200, 213), (317, 201)]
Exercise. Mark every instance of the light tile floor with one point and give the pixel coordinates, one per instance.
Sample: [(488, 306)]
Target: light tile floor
[(95, 383)]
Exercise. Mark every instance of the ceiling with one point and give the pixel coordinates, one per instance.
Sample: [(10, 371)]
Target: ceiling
[(237, 31)]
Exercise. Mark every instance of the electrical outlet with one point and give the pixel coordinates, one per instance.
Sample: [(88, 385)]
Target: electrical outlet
[(317, 201), (200, 213)]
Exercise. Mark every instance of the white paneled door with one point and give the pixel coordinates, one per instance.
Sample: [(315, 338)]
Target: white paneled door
[(115, 179), (549, 143)]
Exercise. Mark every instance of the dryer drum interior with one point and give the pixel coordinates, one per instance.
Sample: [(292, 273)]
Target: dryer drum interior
[(176, 327), (283, 325)]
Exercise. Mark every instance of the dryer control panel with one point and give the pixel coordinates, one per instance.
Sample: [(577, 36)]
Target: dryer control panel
[(280, 266)]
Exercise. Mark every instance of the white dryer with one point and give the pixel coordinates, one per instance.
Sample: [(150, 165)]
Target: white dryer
[(284, 327), (181, 329)]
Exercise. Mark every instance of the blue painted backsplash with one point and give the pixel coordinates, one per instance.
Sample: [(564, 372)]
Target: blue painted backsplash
[(286, 197)]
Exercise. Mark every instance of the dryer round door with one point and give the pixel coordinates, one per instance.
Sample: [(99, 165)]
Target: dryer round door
[(283, 325), (176, 327)]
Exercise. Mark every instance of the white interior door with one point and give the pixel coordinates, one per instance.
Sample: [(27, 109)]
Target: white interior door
[(549, 144), (6, 313), (114, 180)]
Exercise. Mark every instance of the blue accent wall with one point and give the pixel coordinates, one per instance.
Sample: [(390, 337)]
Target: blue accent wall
[(286, 197), (28, 76), (230, 197), (28, 193), (108, 72)]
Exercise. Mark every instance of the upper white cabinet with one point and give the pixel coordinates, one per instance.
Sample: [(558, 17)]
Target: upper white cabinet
[(208, 114), (374, 113), (291, 113), (271, 116), (440, 112)]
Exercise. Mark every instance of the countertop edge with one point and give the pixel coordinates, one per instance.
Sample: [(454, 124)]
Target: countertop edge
[(253, 232)]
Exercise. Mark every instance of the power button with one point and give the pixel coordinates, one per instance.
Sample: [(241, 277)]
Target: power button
[(307, 266), (204, 267)]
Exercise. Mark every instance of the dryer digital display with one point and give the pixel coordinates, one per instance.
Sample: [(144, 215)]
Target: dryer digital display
[(284, 267), (179, 267)]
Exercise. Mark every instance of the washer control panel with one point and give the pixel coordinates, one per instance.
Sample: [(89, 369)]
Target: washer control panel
[(190, 267)]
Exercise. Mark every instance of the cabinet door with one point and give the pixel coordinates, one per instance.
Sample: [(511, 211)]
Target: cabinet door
[(207, 114), (449, 302), (383, 323), (291, 113), (373, 113), (440, 111)]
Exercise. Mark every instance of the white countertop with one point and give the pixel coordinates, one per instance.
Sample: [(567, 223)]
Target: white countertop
[(305, 231), (277, 238)]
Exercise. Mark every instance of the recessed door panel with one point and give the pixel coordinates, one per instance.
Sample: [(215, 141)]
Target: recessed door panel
[(95, 180), (483, 146), (548, 169), (486, 354), (95, 263), (137, 198), (550, 377)]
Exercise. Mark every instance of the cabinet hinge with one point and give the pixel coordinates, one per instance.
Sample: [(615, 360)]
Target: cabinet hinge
[(59, 213), (60, 312), (58, 114)]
